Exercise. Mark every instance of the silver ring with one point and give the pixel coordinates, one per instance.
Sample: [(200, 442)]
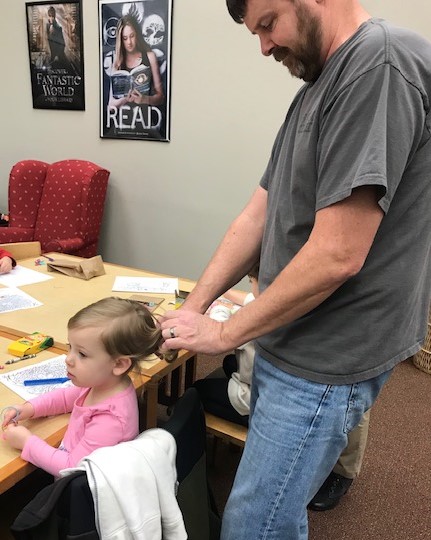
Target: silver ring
[(172, 331)]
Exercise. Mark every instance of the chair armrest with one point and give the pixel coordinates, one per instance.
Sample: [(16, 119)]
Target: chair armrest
[(66, 245), (15, 234)]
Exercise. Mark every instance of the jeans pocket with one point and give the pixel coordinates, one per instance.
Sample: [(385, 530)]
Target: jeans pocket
[(361, 398)]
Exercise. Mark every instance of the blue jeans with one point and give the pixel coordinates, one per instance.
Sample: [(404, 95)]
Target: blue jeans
[(298, 430)]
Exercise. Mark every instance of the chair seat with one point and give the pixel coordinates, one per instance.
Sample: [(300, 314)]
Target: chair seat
[(223, 429)]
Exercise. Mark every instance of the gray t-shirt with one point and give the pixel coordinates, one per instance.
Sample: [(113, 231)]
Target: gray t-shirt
[(365, 121)]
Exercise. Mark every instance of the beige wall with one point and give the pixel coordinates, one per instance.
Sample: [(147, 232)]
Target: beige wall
[(168, 203)]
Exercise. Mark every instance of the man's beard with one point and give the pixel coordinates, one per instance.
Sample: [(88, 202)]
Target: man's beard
[(304, 62)]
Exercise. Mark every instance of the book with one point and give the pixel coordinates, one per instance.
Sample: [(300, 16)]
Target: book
[(124, 81), (164, 285)]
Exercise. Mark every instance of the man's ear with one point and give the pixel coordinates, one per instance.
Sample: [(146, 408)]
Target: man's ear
[(122, 365)]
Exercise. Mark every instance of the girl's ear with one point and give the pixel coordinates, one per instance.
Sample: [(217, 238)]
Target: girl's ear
[(122, 365)]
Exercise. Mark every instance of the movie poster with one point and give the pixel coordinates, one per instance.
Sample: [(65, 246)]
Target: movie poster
[(135, 58), (56, 55)]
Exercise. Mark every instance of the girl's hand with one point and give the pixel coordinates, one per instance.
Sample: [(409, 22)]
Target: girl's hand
[(16, 413), (16, 436), (5, 265), (11, 415)]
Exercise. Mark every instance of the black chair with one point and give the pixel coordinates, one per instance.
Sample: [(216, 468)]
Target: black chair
[(64, 510), (195, 499)]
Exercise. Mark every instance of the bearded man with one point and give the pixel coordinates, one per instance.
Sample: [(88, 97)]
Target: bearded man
[(341, 224)]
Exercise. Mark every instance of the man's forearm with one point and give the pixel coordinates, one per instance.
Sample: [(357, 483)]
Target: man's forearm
[(335, 251), (300, 287), (230, 263)]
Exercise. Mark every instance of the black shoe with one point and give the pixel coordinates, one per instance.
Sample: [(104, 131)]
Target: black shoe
[(330, 493)]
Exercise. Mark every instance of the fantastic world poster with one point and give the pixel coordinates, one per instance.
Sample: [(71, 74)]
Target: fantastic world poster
[(56, 55)]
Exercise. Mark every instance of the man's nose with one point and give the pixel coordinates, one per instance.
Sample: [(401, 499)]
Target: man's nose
[(266, 46)]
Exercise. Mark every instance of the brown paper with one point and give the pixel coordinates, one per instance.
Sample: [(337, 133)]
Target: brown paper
[(83, 269)]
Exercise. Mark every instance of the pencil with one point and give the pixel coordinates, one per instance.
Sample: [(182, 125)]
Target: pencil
[(14, 360)]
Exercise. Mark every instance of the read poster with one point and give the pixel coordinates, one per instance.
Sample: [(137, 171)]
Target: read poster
[(56, 59), (135, 58)]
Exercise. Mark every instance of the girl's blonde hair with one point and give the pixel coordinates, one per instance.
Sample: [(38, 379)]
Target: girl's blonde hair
[(130, 328)]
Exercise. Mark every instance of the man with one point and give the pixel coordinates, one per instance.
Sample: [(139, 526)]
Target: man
[(55, 40), (342, 225)]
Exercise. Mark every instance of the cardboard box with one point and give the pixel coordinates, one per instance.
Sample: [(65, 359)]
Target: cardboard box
[(30, 344)]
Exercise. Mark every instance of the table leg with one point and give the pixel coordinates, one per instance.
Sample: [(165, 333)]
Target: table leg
[(149, 410), (190, 375)]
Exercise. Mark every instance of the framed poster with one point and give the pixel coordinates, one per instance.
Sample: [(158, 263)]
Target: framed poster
[(135, 64), (54, 31)]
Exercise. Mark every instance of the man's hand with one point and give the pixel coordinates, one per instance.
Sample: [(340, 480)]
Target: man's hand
[(184, 329)]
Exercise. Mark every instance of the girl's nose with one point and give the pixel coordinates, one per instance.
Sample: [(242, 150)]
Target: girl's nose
[(69, 359)]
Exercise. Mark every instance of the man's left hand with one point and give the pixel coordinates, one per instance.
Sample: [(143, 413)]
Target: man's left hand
[(183, 329)]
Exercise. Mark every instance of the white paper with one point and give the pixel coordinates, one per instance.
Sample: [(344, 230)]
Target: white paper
[(145, 284), (20, 276), (13, 299), (47, 369)]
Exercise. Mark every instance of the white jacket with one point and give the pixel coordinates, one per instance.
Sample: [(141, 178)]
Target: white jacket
[(133, 486)]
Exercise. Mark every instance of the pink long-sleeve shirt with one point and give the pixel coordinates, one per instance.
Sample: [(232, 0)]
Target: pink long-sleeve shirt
[(107, 423)]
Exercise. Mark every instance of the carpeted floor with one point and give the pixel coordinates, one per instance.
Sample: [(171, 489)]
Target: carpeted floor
[(391, 499)]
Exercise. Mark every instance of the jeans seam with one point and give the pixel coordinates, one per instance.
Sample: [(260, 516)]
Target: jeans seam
[(294, 462)]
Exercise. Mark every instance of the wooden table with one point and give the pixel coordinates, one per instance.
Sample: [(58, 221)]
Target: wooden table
[(62, 297), (52, 429)]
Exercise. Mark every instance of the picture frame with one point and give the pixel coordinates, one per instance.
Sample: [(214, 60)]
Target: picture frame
[(135, 76), (55, 46)]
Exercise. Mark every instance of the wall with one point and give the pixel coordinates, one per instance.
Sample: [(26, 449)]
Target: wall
[(168, 203)]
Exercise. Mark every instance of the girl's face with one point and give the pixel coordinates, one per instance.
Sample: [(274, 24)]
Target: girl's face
[(129, 39), (88, 364)]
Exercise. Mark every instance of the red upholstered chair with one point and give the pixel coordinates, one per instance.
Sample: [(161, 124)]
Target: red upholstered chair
[(69, 209), (26, 182)]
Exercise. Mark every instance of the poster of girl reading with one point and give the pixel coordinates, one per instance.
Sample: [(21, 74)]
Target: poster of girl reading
[(135, 57)]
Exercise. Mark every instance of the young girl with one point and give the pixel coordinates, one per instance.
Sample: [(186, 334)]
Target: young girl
[(7, 262), (106, 340)]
